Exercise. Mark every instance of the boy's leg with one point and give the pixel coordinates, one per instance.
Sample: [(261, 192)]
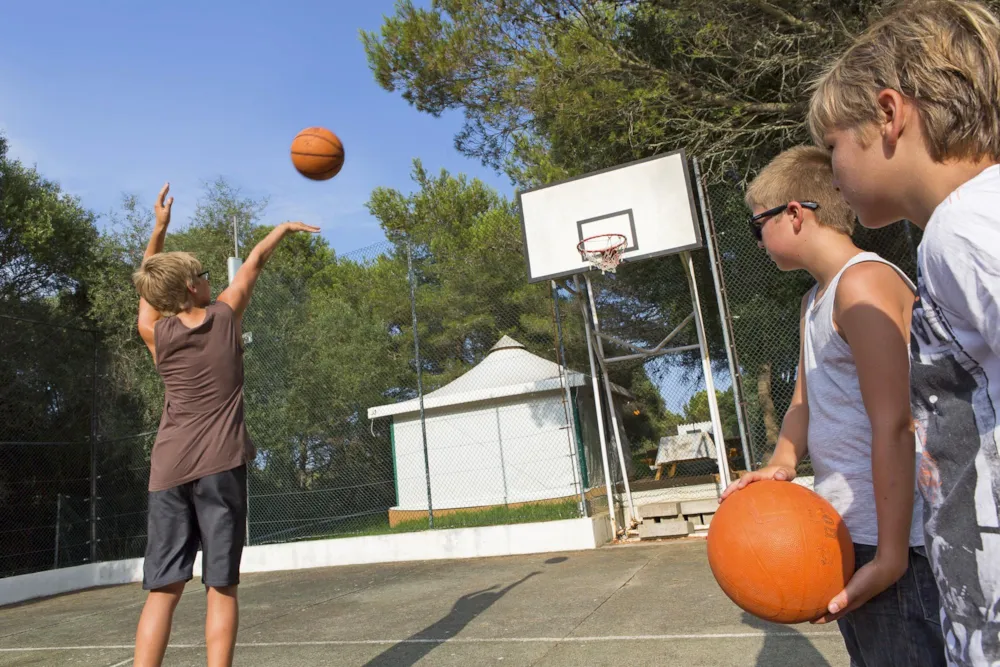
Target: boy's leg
[(154, 625), (220, 503), (171, 547), (901, 625), (221, 623)]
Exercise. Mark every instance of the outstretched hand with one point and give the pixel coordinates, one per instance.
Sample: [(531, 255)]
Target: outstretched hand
[(778, 473), (300, 227), (162, 208)]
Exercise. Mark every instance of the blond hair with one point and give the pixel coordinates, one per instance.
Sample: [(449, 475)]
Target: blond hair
[(802, 173), (163, 280), (942, 55)]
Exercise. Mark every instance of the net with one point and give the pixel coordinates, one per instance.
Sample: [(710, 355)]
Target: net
[(604, 251)]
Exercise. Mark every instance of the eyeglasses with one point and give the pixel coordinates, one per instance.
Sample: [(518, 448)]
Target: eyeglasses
[(758, 221), (203, 274)]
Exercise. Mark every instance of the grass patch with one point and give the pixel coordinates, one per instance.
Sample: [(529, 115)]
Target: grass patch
[(493, 516)]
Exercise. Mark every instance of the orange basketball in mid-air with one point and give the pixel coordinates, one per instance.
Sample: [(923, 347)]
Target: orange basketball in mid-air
[(780, 551), (317, 153)]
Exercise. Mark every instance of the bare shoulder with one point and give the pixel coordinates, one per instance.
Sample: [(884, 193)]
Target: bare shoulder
[(874, 283)]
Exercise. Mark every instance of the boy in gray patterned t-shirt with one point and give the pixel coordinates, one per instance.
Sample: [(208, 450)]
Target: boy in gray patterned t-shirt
[(910, 113)]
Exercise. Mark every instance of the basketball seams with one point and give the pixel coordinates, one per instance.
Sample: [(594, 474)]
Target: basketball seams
[(333, 144)]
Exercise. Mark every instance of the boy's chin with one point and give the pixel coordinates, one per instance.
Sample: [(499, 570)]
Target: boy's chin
[(877, 222)]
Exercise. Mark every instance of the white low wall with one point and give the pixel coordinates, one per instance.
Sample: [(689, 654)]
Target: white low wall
[(523, 538)]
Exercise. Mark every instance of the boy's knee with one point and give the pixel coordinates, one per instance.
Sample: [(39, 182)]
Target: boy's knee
[(227, 591)]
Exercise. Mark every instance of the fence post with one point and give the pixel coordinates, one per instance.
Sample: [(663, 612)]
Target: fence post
[(735, 374), (93, 454), (420, 376), (574, 445), (55, 557)]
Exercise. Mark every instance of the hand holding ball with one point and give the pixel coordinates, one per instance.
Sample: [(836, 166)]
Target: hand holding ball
[(317, 153)]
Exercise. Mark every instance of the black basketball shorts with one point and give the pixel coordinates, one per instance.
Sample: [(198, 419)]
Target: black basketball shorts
[(209, 513)]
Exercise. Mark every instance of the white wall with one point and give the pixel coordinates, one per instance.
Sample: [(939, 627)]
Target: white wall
[(525, 538), (475, 449)]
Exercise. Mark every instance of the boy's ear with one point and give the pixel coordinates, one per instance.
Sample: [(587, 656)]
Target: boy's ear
[(893, 115), (798, 213)]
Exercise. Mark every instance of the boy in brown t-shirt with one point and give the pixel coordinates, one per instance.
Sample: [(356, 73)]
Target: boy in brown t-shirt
[(197, 480)]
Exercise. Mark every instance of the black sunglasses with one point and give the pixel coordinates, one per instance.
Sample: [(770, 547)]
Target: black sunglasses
[(203, 274), (757, 221)]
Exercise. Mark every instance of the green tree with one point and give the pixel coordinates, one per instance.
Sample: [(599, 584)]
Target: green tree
[(579, 86), (697, 410), (46, 237)]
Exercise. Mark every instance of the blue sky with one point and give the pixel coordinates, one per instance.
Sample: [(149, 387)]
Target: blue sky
[(113, 96)]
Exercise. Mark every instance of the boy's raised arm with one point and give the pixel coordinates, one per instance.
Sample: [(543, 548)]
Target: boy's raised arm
[(872, 310), (238, 294), (148, 315)]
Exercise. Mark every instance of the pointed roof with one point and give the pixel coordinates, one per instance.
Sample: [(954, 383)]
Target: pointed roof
[(507, 370)]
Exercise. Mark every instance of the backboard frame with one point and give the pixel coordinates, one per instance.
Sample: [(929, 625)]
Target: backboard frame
[(634, 243)]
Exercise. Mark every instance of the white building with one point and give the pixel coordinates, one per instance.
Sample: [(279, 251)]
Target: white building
[(502, 433)]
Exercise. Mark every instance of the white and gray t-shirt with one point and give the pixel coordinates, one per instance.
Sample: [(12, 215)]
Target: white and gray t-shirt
[(840, 431), (955, 377)]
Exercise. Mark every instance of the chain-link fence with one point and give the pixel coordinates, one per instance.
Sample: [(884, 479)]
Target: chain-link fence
[(493, 413), (47, 381), (763, 305)]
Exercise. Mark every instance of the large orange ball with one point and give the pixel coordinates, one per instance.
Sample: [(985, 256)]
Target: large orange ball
[(780, 551), (317, 153)]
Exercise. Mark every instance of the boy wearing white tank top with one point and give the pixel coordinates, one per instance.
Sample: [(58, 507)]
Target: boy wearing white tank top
[(850, 410)]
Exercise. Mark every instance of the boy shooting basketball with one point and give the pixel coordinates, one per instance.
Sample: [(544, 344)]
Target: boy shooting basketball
[(911, 115), (197, 480), (850, 410)]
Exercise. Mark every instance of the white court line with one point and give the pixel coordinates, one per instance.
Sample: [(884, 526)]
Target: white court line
[(449, 640), (122, 663)]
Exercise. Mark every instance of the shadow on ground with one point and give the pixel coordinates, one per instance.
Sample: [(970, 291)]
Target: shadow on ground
[(463, 612), (775, 650)]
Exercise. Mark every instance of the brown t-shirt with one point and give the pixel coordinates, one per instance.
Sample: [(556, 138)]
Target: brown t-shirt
[(202, 431)]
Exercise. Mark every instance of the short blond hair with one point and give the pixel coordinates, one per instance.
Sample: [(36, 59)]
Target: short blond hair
[(163, 280), (802, 173), (942, 55)]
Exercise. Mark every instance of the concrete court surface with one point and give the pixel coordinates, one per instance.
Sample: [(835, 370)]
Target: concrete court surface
[(635, 605)]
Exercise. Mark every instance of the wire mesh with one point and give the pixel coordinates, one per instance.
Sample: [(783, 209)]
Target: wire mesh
[(509, 426)]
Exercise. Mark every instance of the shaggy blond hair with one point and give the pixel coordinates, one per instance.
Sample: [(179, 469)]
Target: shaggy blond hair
[(802, 173), (163, 280), (942, 55)]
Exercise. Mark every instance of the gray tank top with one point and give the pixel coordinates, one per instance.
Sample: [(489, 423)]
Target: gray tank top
[(840, 434), (202, 431)]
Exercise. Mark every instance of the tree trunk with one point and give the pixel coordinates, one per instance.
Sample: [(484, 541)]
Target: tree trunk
[(303, 466), (767, 403)]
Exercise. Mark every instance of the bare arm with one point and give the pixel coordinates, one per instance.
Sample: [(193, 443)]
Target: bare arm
[(792, 444), (238, 294), (148, 316), (872, 311)]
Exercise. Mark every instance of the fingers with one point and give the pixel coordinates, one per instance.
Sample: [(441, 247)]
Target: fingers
[(163, 193), (170, 202)]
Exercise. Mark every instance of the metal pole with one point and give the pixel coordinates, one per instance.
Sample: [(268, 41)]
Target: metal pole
[(503, 465), (600, 412), (630, 508), (234, 264), (706, 365), (55, 557), (93, 455), (720, 290), (420, 378), (574, 446)]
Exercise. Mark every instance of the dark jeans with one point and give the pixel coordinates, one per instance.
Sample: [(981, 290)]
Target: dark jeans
[(900, 626)]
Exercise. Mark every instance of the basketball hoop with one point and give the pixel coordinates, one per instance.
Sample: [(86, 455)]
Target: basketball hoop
[(604, 251)]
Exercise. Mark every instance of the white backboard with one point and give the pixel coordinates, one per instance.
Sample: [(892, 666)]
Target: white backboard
[(650, 202)]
